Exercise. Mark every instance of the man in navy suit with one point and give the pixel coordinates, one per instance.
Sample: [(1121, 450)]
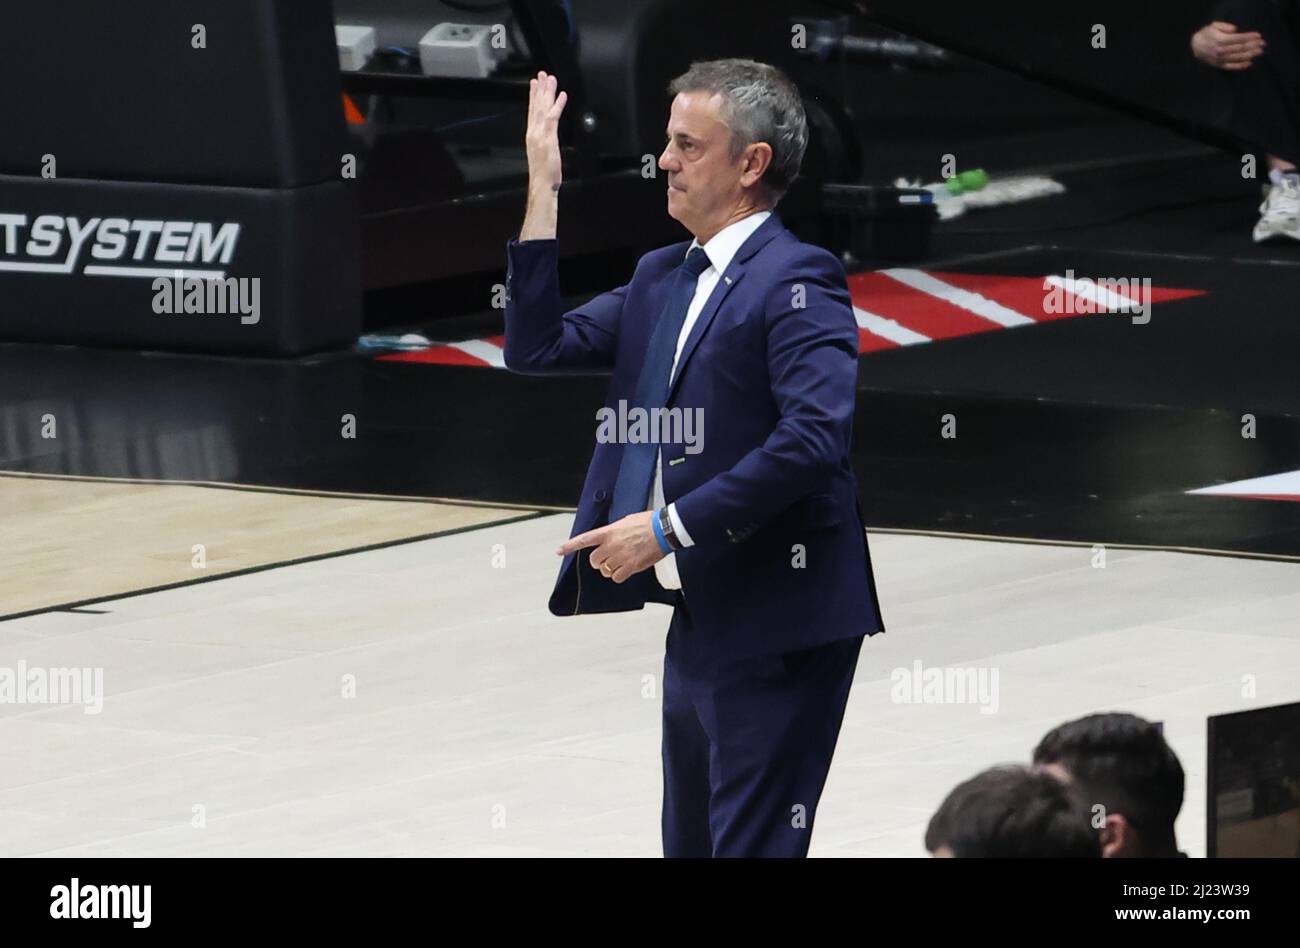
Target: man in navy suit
[(751, 530)]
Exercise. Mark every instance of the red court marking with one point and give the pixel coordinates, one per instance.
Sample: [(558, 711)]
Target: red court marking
[(351, 112), (1023, 294), (1026, 294), (437, 355), (870, 342), (915, 309)]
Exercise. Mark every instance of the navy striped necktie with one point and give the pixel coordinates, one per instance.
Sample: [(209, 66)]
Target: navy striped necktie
[(636, 469)]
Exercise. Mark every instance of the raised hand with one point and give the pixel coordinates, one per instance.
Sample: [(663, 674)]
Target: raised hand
[(542, 139)]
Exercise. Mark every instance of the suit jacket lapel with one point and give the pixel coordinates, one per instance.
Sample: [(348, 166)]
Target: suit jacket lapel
[(729, 279), (734, 272)]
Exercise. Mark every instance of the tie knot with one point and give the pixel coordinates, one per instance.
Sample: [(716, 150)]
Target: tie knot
[(697, 261)]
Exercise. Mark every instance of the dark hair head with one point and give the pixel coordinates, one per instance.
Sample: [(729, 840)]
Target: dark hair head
[(1123, 762), (1014, 811)]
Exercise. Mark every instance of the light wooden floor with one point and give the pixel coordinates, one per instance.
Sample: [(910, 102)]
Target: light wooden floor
[(482, 725), (69, 540)]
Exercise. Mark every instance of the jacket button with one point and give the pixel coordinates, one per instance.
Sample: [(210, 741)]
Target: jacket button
[(601, 495)]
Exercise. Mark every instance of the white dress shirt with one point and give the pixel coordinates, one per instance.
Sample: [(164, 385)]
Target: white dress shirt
[(721, 247)]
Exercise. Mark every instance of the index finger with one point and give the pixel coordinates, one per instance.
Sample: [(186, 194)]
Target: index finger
[(583, 540), (539, 99)]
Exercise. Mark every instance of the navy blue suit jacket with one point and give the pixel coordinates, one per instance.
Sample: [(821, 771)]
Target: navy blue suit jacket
[(780, 560)]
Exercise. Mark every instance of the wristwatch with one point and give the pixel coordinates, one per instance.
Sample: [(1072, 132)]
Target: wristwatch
[(666, 525)]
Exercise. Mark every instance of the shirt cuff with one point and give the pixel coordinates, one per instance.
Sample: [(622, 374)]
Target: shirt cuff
[(679, 529)]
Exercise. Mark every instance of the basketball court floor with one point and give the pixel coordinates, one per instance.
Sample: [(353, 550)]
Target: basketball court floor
[(416, 698)]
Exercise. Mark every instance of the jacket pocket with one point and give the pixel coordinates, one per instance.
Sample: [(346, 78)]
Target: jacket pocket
[(818, 510)]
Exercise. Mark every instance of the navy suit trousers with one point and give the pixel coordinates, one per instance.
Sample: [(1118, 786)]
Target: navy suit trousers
[(747, 743)]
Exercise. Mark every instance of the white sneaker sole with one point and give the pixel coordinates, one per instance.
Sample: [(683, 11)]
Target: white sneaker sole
[(1265, 232)]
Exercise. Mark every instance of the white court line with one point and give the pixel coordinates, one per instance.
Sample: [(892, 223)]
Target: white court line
[(981, 306), (490, 353), (1100, 297), (1287, 483), (887, 328)]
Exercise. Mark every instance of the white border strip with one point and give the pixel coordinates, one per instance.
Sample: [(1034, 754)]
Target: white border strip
[(887, 328), (981, 306)]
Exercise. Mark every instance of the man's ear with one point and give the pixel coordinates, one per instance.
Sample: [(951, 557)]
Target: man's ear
[(758, 158), (1118, 838)]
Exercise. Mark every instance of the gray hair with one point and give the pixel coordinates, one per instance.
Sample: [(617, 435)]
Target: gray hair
[(760, 104)]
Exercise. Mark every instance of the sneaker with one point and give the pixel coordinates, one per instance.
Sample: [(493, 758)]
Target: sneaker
[(1280, 212)]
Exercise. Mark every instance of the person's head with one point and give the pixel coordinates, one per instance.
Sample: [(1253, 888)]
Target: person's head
[(1013, 811), (736, 136), (1123, 764)]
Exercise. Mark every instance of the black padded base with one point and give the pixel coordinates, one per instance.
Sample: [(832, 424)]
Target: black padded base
[(301, 243)]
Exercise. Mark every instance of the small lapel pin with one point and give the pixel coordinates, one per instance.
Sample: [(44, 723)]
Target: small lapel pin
[(727, 280), (676, 461)]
